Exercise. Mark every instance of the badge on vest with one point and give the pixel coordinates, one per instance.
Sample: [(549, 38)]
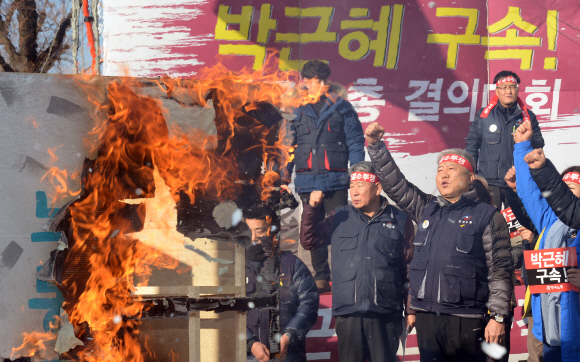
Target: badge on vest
[(425, 224), (389, 225), (493, 128), (466, 220)]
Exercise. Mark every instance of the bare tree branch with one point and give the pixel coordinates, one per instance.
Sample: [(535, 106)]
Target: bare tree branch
[(5, 66), (9, 48), (27, 31), (52, 54)]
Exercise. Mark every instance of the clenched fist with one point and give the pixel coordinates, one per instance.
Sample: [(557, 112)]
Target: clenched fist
[(374, 133), (536, 159), (524, 132), (316, 198), (510, 178)]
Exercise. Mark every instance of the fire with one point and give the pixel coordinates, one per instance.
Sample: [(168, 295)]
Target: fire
[(143, 168)]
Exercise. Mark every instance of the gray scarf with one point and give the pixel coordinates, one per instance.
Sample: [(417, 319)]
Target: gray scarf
[(557, 236)]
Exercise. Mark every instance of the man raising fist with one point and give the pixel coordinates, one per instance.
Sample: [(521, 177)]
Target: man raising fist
[(371, 248)]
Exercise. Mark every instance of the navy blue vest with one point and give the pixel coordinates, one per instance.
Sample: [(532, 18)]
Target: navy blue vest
[(321, 141), (259, 320), (448, 273), (366, 261)]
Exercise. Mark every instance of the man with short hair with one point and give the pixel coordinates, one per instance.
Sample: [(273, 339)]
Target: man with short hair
[(490, 140), (371, 249), (461, 266), (298, 295), (326, 135)]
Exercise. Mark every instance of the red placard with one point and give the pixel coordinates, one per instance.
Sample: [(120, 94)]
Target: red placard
[(547, 269), (513, 223)]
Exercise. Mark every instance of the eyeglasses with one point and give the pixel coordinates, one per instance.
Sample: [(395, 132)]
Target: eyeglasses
[(506, 87)]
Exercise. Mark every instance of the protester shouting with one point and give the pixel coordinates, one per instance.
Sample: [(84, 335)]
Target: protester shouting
[(326, 135), (489, 140), (371, 249), (556, 315), (462, 265)]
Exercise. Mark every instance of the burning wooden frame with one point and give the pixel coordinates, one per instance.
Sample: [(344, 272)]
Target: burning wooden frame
[(151, 188)]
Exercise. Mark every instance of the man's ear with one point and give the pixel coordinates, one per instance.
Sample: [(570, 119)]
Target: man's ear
[(496, 92), (379, 189), (471, 177)]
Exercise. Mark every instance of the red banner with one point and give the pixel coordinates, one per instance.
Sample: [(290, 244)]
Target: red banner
[(512, 221), (422, 68), (548, 269)]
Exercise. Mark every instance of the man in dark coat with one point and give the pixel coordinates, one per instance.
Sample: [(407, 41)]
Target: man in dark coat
[(371, 249), (462, 266), (298, 297), (490, 139), (326, 135)]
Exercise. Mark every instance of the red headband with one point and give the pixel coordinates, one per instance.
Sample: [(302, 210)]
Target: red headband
[(458, 160), (572, 177), (364, 177), (506, 80)]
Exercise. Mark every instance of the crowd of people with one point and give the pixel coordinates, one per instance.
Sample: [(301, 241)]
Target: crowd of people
[(442, 263)]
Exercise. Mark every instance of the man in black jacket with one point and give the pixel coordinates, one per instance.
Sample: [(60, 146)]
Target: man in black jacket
[(371, 249), (490, 139), (462, 264), (298, 297)]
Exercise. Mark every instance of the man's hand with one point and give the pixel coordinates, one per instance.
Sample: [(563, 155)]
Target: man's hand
[(261, 352), (374, 133), (526, 234), (316, 198), (286, 188), (574, 277), (495, 332), (523, 132), (510, 178), (536, 159), (410, 322)]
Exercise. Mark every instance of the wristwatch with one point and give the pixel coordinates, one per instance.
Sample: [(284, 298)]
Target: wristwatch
[(499, 318)]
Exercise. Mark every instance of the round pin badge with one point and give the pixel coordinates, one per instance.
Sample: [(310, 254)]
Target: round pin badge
[(425, 224), (493, 128)]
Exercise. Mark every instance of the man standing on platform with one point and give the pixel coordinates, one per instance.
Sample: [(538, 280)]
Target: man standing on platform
[(490, 140), (326, 136)]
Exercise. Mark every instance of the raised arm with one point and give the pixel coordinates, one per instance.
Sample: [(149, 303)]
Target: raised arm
[(355, 139), (315, 233), (536, 205), (406, 195)]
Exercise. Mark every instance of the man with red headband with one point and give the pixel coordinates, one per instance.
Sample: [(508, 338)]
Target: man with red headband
[(462, 266), (490, 139), (372, 247)]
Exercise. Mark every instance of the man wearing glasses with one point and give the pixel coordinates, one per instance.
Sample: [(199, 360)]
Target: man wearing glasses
[(490, 138)]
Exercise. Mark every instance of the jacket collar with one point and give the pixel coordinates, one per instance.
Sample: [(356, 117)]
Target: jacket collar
[(327, 109), (466, 197), (384, 204)]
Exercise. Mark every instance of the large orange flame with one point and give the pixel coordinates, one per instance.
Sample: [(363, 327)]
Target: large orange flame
[(133, 147)]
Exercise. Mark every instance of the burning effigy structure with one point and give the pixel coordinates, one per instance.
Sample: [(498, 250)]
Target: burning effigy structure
[(149, 227)]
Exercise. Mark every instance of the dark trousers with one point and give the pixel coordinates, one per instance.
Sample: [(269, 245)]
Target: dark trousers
[(552, 353), (498, 194), (331, 201), (446, 338), (373, 336)]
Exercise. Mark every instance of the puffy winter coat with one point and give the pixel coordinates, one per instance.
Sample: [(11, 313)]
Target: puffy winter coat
[(323, 144), (370, 256), (462, 262), (543, 211), (298, 306), (490, 141)]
